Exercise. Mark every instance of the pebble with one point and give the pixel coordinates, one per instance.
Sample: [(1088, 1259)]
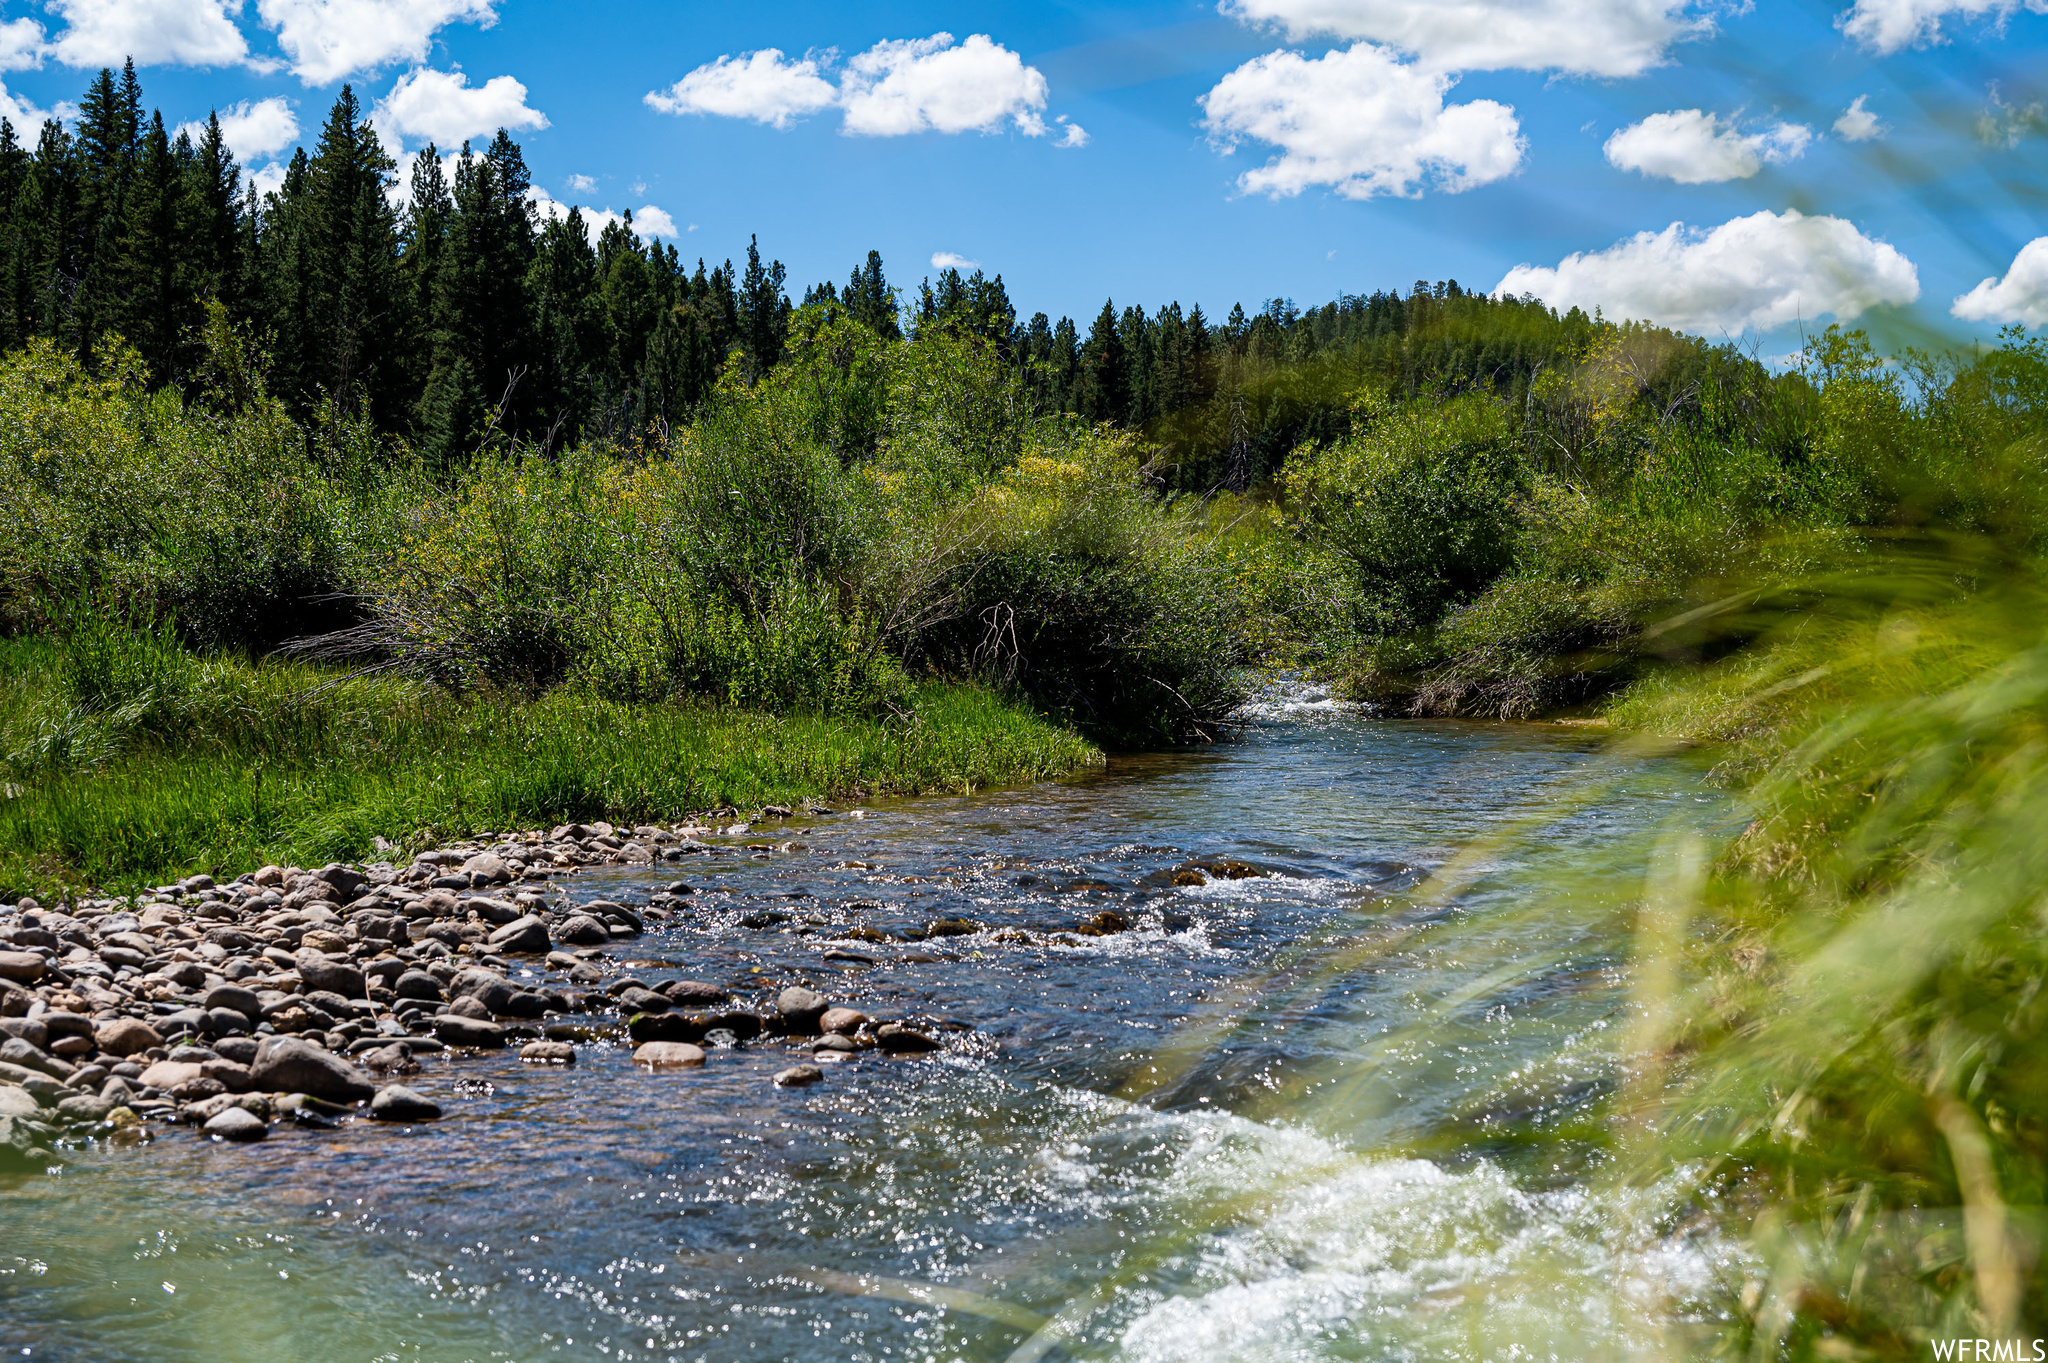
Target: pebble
[(395, 1058), (583, 931), (527, 935), (23, 967), (144, 1010)]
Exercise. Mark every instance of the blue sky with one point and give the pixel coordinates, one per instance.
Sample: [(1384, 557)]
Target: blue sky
[(1294, 148)]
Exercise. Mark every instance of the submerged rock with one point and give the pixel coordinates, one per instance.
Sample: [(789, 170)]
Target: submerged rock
[(397, 1103), (896, 1039)]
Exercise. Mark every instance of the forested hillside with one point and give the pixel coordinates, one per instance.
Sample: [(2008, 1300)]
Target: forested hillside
[(452, 311)]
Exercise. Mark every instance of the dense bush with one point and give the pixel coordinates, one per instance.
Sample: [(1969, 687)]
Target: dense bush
[(216, 509), (864, 513)]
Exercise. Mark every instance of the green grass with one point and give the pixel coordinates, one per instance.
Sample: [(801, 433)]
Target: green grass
[(247, 763)]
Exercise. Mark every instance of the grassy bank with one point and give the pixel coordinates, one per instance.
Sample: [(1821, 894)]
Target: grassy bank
[(221, 765)]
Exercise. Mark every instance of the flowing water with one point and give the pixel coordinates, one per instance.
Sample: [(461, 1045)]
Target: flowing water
[(1299, 1110)]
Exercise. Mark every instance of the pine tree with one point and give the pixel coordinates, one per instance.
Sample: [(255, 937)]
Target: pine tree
[(215, 183), (871, 301), (284, 270), (629, 310), (568, 333), (1066, 366), (345, 254), (157, 307), (1104, 392), (763, 312), (481, 311), (1169, 361), (105, 150), (423, 259), (17, 241), (1198, 358), (1134, 333)]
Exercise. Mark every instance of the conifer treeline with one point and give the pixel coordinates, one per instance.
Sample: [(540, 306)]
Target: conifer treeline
[(459, 304)]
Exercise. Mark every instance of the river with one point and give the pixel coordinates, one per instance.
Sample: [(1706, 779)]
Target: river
[(1328, 1103)]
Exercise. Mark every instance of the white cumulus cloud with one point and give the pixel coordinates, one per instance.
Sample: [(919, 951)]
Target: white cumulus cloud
[(648, 223), (252, 129), (915, 85), (1072, 134), (21, 45), (1696, 148), (764, 86), (651, 222), (897, 87), (153, 32), (1887, 26), (26, 117), (949, 260), (1760, 271), (2022, 296), (330, 39), (583, 184), (267, 179), (1361, 122), (1582, 37), (443, 107), (1858, 124)]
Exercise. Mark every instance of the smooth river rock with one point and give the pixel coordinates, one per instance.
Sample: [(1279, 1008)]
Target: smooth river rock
[(801, 1008), (418, 984), (896, 1039), (462, 1031), (325, 972), (844, 1021), (667, 1055), (799, 1076), (548, 1053), (528, 935), (288, 1065), (236, 1124), (235, 997), (23, 967), (397, 1103), (582, 930)]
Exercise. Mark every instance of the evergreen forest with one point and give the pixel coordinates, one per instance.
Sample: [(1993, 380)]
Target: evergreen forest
[(449, 310)]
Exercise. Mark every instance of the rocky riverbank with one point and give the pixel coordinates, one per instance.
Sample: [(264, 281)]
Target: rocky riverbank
[(308, 995)]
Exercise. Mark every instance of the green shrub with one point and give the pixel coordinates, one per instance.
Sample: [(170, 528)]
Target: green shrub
[(1423, 502), (217, 516)]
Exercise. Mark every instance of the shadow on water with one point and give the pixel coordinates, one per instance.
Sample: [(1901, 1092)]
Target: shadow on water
[(1270, 1062)]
